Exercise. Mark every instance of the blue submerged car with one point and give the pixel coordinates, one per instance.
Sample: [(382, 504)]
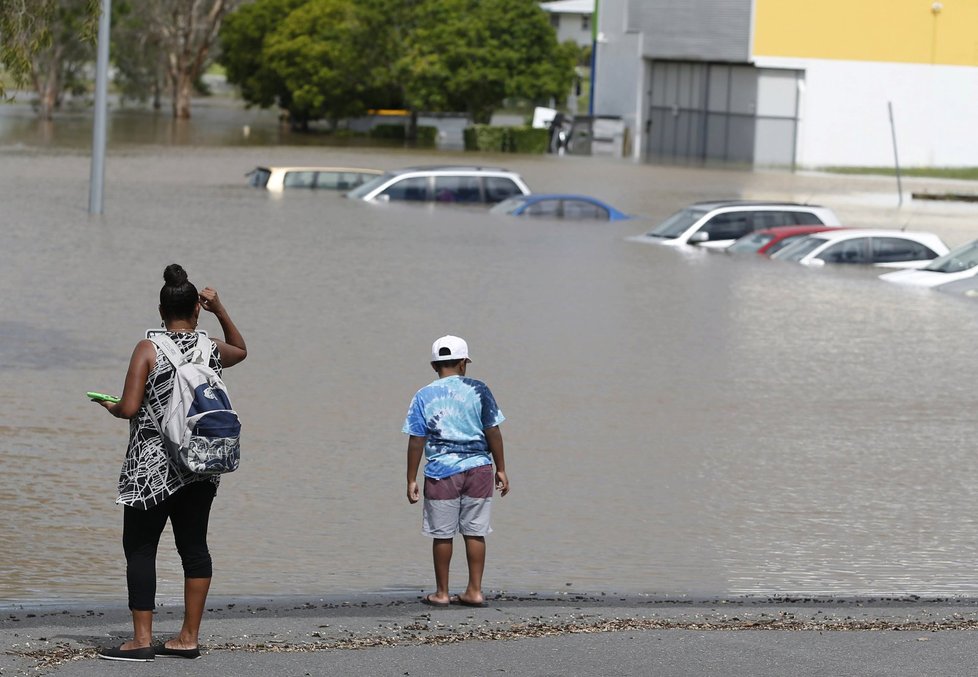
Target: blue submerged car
[(559, 206)]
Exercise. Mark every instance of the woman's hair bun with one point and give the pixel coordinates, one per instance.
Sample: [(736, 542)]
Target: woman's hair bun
[(174, 275)]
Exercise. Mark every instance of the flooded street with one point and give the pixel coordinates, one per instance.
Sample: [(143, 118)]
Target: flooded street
[(677, 423)]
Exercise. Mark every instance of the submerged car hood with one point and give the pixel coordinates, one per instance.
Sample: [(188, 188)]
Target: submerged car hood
[(924, 278)]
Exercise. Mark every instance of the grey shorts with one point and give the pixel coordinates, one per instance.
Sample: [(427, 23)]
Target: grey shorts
[(458, 504)]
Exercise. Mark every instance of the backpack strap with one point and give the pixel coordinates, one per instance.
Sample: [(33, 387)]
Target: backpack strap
[(199, 354)]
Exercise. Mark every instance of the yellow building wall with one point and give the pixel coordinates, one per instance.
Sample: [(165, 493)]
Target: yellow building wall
[(904, 31)]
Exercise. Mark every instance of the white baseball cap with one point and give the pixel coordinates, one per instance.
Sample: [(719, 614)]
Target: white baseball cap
[(449, 348)]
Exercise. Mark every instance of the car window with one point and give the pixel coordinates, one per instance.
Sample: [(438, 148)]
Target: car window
[(957, 260), (413, 189), (299, 179), (332, 180), (784, 242), (508, 206), (854, 250), (462, 189), (728, 226), (802, 219), (258, 178), (751, 242), (545, 209), (498, 188), (887, 249), (579, 210), (677, 224), (369, 185), (799, 249), (769, 219)]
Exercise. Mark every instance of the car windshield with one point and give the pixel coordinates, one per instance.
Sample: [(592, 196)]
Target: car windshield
[(507, 206), (957, 260), (258, 177), (365, 188), (677, 224), (750, 243), (796, 251)]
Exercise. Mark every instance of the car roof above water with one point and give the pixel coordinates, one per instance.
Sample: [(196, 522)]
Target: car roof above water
[(449, 168), (721, 204)]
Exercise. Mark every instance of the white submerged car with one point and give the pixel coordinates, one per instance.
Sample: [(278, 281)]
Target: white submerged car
[(718, 224), (958, 264), (871, 247), (278, 179), (443, 184)]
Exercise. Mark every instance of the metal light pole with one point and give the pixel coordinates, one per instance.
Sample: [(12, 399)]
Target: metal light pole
[(594, 58), (97, 179)]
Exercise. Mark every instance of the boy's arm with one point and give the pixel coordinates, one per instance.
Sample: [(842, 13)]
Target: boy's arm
[(415, 450), (494, 439)]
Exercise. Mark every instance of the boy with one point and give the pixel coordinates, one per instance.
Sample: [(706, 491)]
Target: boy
[(454, 422)]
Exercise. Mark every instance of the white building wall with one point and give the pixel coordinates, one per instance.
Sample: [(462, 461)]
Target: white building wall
[(620, 78), (571, 27), (844, 117)]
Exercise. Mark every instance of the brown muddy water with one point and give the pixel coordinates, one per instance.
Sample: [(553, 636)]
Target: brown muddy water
[(677, 423)]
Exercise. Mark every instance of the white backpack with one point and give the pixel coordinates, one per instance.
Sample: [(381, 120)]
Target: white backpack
[(200, 430)]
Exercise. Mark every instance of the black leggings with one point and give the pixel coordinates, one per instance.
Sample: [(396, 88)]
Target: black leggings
[(188, 510)]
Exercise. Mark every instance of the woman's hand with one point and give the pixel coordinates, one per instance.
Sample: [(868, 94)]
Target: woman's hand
[(210, 301)]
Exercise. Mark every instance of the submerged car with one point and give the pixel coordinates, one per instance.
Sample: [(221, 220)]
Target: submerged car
[(957, 264), (443, 183), (882, 248), (277, 179), (719, 224), (568, 207), (766, 242)]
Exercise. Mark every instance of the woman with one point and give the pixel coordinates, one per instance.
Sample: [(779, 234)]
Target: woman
[(152, 488)]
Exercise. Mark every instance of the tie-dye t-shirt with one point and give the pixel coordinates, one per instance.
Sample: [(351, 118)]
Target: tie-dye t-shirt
[(452, 413)]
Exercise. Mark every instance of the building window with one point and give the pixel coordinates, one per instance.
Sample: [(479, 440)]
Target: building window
[(555, 20), (586, 22)]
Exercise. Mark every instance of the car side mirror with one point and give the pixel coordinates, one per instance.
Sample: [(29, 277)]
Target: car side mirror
[(698, 237), (818, 263), (383, 198)]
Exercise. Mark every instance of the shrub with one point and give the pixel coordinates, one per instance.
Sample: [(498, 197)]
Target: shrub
[(486, 138), (506, 139), (528, 140), (398, 132)]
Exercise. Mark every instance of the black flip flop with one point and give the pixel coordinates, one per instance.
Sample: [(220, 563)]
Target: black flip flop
[(430, 602), (464, 602)]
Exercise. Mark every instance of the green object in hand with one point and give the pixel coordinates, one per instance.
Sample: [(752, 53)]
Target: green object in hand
[(102, 397)]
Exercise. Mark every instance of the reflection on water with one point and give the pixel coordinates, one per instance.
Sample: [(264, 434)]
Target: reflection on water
[(676, 423), (216, 122)]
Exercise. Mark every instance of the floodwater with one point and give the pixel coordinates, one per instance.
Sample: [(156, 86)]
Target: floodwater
[(677, 423)]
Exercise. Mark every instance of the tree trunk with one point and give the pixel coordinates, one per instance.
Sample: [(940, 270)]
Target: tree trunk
[(182, 88), (48, 97), (47, 83)]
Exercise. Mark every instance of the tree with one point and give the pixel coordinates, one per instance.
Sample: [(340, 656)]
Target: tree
[(45, 42), (185, 31), (242, 41), (337, 58), (472, 54), (314, 58), (137, 53)]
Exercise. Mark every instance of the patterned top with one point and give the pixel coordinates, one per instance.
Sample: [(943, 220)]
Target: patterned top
[(149, 475), (453, 413)]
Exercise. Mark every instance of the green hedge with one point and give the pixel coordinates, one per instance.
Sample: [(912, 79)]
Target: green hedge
[(528, 140), (486, 138), (506, 139), (398, 132)]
